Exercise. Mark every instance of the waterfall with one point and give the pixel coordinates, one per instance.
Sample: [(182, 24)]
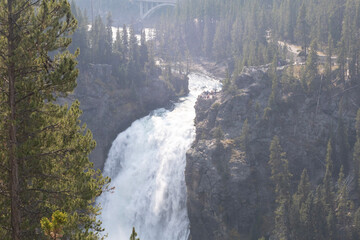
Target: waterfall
[(147, 163)]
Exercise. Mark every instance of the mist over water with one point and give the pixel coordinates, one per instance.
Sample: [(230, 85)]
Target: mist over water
[(147, 163)]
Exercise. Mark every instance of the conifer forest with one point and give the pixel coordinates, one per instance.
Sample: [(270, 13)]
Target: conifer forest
[(186, 119)]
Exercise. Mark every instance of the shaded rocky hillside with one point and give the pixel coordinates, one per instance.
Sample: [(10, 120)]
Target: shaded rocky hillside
[(108, 108), (230, 195)]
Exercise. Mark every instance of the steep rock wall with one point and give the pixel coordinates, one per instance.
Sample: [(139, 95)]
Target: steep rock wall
[(108, 108), (230, 195)]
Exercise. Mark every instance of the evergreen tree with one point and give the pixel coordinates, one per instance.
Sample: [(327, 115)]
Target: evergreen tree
[(301, 209), (118, 45), (144, 53), (302, 28), (274, 96), (125, 39), (133, 66), (328, 192), (342, 140), (329, 58), (53, 229), (99, 42), (304, 188), (134, 235), (356, 223), (208, 36), (341, 60), (108, 45), (280, 176), (356, 154), (311, 68), (221, 38), (343, 208), (44, 150), (244, 137), (290, 19), (80, 37)]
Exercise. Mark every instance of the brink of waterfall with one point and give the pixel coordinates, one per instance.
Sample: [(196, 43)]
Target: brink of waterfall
[(146, 163)]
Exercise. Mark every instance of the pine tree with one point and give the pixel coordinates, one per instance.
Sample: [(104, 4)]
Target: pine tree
[(329, 58), (274, 96), (44, 151), (341, 60), (343, 207), (144, 52), (244, 137), (125, 39), (331, 231), (290, 20), (80, 36), (108, 45), (132, 71), (300, 208), (236, 38), (311, 68), (221, 38), (356, 223), (356, 154), (53, 229), (280, 176), (302, 28), (328, 192), (208, 37), (342, 140), (319, 216), (303, 188), (134, 235)]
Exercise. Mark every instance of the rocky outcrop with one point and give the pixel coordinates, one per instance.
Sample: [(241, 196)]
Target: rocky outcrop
[(230, 195), (108, 108)]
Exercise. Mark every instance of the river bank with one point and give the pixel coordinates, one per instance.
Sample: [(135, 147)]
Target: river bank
[(208, 67)]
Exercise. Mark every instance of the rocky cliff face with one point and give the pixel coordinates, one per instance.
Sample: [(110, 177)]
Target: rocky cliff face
[(108, 108), (230, 194)]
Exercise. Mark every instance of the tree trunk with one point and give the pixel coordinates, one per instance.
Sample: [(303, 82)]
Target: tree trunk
[(13, 161)]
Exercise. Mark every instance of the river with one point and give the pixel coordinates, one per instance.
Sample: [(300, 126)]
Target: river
[(146, 163)]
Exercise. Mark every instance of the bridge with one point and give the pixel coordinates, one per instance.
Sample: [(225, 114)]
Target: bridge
[(148, 7)]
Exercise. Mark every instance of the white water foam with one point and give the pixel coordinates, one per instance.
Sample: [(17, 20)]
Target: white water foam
[(147, 163)]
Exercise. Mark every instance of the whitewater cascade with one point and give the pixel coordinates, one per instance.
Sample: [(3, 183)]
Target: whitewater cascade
[(147, 163)]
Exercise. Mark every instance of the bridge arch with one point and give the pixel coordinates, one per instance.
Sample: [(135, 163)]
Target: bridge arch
[(148, 7), (153, 9)]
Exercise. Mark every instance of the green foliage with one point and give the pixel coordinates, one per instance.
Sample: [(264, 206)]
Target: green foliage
[(226, 82), (131, 64), (322, 213), (134, 235), (329, 61), (280, 176), (311, 69), (274, 96), (327, 188), (244, 137), (249, 34), (356, 154), (53, 228), (302, 27), (233, 33), (43, 143)]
